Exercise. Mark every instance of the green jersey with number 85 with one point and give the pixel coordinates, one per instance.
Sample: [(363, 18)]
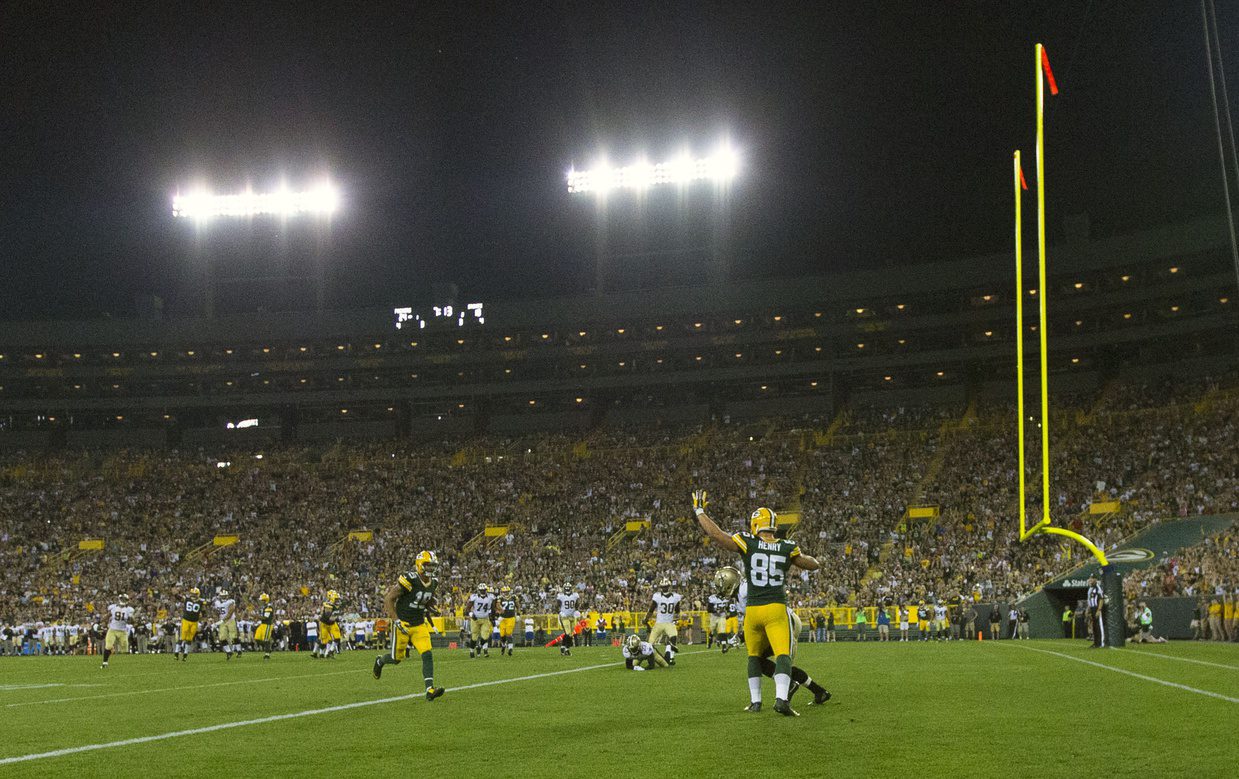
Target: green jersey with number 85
[(766, 565)]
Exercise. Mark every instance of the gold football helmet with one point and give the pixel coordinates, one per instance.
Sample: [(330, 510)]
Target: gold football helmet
[(727, 581), (632, 642), (264, 598), (427, 563), (332, 596), (505, 590), (763, 520), (194, 592), (482, 588)]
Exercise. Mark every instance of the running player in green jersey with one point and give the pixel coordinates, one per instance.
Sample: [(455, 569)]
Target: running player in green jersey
[(409, 603)]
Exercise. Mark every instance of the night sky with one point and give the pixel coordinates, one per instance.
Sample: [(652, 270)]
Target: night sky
[(873, 134)]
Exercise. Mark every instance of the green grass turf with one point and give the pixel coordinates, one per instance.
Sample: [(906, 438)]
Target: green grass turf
[(962, 709)]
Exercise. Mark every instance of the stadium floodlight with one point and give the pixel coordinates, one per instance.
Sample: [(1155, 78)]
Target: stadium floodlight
[(321, 200), (722, 166)]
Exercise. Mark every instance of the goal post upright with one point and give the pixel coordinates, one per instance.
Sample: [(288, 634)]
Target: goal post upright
[(1044, 525)]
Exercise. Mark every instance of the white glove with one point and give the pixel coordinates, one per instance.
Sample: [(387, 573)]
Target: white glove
[(638, 668)]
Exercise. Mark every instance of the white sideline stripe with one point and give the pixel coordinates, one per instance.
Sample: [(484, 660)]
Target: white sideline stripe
[(278, 717), (1154, 679), (1147, 653), (174, 689), (12, 687)]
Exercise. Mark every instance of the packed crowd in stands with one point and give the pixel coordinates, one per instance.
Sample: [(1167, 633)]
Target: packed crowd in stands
[(1207, 572), (565, 503)]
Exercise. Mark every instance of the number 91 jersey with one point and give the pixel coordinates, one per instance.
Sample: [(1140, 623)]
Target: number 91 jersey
[(766, 565)]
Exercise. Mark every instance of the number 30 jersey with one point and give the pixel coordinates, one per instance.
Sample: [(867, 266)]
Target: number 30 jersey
[(415, 597), (766, 565)]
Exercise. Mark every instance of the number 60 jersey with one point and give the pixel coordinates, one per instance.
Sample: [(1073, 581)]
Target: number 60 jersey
[(766, 564)]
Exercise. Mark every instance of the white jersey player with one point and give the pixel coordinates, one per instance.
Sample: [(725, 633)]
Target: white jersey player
[(665, 608), (120, 620), (636, 652), (568, 600), (480, 608), (227, 633), (718, 608)]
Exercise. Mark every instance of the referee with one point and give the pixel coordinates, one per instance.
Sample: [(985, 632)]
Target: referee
[(1097, 611)]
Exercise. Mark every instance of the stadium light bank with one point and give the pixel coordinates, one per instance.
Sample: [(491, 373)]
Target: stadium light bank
[(322, 200), (720, 167)]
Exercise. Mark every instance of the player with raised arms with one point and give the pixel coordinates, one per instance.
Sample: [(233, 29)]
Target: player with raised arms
[(409, 603), (226, 628), (767, 619)]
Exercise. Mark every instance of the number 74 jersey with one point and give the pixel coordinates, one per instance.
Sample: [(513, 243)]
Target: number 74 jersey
[(766, 565)]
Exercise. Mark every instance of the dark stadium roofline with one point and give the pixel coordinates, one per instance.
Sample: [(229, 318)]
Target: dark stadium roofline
[(766, 295)]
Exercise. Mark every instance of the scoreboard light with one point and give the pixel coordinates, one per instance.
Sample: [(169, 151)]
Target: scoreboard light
[(722, 166), (322, 200)]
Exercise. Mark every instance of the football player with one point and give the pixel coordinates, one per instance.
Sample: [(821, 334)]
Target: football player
[(226, 629), (922, 621), (667, 605), (636, 652), (567, 598), (329, 635), (507, 619), (120, 616), (767, 619), (732, 584), (719, 608), (189, 623), (409, 604), (480, 606), (264, 634)]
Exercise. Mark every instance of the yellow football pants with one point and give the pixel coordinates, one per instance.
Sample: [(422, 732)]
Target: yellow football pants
[(767, 630)]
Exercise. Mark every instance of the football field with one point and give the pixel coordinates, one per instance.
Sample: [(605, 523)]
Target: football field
[(1044, 708)]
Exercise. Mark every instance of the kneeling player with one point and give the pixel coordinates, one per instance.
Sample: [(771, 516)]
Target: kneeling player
[(408, 604), (637, 652)]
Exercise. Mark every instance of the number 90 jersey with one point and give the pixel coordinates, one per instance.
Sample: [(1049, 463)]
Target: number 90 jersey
[(766, 565)]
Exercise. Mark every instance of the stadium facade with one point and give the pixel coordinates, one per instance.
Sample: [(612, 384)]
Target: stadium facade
[(1160, 302)]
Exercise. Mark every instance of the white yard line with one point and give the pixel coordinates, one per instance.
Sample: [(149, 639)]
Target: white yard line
[(1153, 679), (126, 693), (278, 717), (1148, 653), (12, 687)]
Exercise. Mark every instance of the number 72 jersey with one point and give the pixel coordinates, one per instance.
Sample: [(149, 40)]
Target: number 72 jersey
[(766, 565)]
